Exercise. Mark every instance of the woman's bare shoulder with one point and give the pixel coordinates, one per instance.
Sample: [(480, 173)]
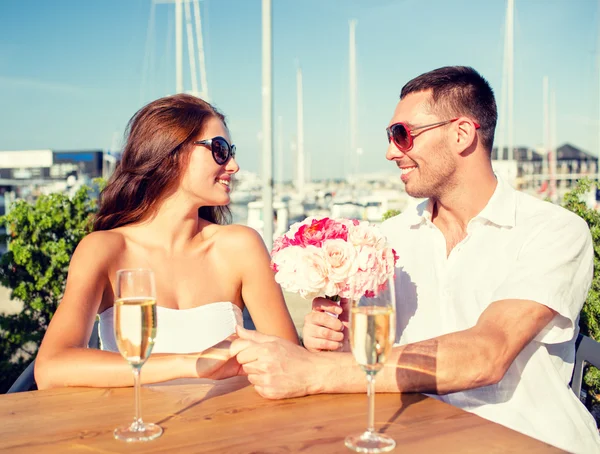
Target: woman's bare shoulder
[(101, 244), (240, 248), (237, 236)]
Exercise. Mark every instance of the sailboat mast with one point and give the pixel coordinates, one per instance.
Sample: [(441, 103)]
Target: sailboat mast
[(546, 116), (200, 44), (552, 155), (501, 135), (300, 134), (353, 119), (178, 47), (196, 75), (280, 151), (510, 83), (190, 44), (267, 124)]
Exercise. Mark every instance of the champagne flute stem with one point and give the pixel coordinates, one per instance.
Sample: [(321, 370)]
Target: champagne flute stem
[(137, 422), (371, 397)]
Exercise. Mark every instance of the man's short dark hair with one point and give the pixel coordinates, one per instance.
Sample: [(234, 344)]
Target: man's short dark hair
[(456, 91)]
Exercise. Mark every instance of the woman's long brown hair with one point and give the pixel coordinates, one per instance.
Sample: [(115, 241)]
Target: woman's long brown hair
[(159, 139)]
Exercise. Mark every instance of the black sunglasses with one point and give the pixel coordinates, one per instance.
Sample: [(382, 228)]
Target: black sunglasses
[(221, 150)]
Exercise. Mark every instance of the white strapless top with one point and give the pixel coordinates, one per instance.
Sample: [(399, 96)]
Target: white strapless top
[(181, 330)]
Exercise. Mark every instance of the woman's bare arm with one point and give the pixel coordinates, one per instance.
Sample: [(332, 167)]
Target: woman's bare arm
[(64, 360), (260, 293)]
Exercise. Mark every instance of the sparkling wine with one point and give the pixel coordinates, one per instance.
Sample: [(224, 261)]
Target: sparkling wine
[(135, 328), (371, 336)]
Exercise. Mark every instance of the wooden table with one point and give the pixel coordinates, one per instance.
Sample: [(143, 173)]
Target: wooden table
[(230, 417)]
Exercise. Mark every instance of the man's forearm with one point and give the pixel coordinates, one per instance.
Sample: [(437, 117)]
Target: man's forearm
[(445, 364), (408, 369), (337, 373), (441, 365)]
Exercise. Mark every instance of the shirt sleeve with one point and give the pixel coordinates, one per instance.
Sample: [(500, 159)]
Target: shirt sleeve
[(554, 267)]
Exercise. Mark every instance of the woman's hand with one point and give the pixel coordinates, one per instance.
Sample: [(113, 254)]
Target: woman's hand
[(326, 326), (217, 363)]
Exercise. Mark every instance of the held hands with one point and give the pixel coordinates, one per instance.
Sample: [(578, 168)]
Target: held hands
[(326, 326), (276, 367), (217, 362)]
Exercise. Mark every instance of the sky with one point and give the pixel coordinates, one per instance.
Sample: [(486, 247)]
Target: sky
[(73, 72)]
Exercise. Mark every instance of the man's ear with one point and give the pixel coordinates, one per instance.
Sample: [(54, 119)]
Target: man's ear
[(465, 135)]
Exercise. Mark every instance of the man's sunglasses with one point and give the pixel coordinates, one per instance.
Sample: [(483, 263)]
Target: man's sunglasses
[(402, 134), (221, 150)]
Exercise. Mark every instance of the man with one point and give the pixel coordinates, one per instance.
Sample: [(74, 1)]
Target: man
[(490, 282)]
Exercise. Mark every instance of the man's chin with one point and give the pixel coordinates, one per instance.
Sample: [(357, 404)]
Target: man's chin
[(415, 192)]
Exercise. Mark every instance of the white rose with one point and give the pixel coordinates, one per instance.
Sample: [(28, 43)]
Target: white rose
[(311, 273), (286, 261)]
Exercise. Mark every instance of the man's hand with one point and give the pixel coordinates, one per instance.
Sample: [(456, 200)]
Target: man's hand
[(276, 367), (326, 326)]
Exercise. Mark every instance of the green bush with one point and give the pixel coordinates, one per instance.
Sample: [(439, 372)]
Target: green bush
[(590, 314), (42, 237), (389, 214)]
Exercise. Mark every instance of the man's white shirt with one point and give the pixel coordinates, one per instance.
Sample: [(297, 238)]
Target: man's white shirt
[(517, 247)]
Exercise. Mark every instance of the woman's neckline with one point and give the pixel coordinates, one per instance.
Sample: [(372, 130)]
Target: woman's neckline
[(111, 308)]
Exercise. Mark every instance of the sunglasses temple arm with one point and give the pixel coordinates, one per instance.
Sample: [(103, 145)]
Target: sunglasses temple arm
[(439, 123)]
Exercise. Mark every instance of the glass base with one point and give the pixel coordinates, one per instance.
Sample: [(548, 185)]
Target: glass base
[(138, 432), (370, 442)]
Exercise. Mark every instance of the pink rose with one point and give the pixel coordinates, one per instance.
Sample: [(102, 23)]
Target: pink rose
[(387, 259), (340, 257), (318, 231), (365, 234), (291, 233), (367, 258), (336, 230), (362, 283), (280, 243)]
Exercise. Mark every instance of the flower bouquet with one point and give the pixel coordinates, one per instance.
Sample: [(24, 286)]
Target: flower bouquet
[(333, 258)]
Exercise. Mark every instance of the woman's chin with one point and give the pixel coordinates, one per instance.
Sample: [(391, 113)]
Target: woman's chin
[(223, 201)]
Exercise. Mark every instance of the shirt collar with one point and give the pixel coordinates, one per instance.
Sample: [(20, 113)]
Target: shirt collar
[(500, 209), (421, 213)]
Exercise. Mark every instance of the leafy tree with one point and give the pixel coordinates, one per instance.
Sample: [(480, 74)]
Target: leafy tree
[(42, 237), (589, 321)]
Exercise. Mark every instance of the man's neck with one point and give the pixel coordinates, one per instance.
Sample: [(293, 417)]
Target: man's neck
[(464, 201), (452, 211)]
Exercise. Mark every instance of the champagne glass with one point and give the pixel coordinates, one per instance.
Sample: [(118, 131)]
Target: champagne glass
[(135, 329), (372, 334)]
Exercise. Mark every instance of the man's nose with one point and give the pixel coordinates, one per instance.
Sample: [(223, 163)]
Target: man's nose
[(393, 152)]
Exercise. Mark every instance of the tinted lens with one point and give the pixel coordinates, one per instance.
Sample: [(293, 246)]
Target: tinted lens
[(220, 150), (400, 136)]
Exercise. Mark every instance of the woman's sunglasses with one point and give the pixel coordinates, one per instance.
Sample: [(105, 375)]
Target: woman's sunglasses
[(221, 150), (402, 134)]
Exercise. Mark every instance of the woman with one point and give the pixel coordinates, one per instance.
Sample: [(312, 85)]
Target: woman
[(165, 208)]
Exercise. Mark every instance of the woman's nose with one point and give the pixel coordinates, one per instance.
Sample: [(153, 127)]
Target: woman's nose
[(232, 166)]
